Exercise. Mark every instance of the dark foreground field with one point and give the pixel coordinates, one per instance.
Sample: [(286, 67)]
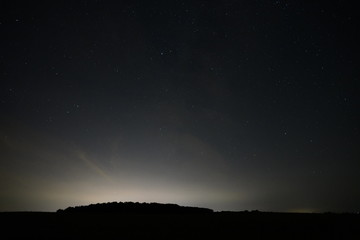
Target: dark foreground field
[(242, 225)]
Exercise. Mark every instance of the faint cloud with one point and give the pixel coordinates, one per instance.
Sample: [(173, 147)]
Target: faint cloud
[(93, 166)]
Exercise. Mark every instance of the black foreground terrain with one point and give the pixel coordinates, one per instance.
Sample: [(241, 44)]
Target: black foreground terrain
[(191, 223)]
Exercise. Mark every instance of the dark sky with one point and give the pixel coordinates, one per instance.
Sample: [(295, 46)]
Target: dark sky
[(230, 105)]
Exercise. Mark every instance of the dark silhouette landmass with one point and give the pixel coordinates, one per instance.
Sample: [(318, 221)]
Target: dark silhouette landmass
[(139, 208), (170, 221)]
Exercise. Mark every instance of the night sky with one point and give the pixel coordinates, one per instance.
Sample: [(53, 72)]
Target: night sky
[(231, 105)]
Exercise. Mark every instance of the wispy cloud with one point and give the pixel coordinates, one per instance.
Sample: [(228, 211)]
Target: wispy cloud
[(93, 166)]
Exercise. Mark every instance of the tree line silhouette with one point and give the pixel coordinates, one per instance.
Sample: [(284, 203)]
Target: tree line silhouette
[(136, 207)]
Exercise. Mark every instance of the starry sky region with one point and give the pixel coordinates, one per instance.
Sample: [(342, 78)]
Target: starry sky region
[(231, 105)]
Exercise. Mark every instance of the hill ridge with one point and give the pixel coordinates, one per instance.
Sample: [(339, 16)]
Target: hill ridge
[(135, 207)]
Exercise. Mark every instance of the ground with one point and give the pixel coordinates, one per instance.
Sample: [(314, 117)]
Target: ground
[(253, 225)]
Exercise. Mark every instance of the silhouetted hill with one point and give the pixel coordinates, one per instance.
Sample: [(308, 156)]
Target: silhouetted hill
[(131, 207)]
